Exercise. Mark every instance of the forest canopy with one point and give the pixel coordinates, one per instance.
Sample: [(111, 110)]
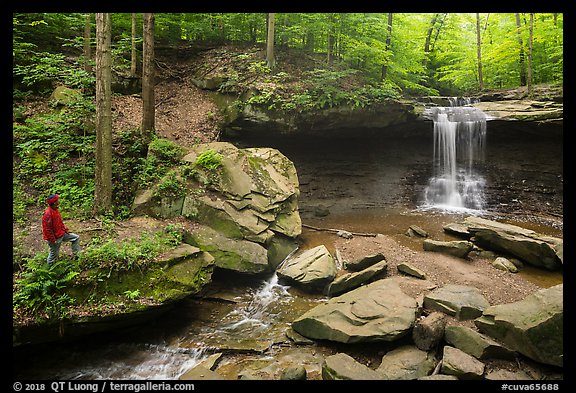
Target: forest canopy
[(412, 53)]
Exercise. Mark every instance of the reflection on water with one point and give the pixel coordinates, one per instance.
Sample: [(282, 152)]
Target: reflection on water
[(541, 277)]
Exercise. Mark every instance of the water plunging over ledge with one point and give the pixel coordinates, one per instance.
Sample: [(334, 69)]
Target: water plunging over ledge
[(459, 144)]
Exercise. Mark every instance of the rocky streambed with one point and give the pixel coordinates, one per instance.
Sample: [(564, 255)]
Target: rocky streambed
[(240, 328)]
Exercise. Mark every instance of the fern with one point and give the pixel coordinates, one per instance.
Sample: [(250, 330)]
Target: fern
[(209, 159), (41, 287)]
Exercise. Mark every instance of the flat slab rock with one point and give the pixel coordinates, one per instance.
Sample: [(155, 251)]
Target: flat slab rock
[(460, 301), (378, 311)]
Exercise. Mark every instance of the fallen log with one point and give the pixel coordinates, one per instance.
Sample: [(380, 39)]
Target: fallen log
[(339, 230)]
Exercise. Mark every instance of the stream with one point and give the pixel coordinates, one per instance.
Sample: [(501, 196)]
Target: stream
[(237, 315), (375, 185)]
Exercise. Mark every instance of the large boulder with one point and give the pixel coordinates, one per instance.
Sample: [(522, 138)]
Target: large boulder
[(312, 269), (351, 280), (533, 326), (249, 194), (63, 95), (476, 344), (175, 274), (378, 311), (232, 254), (458, 363), (529, 246), (456, 248)]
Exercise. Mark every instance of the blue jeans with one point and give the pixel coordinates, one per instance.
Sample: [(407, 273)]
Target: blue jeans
[(55, 247)]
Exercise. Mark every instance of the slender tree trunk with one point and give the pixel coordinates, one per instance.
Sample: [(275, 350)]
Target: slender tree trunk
[(521, 47), (530, 42), (148, 74), (87, 50), (253, 28), (429, 37), (388, 41), (331, 41), (479, 52), (103, 170), (270, 59), (309, 41), (133, 55), (438, 31)]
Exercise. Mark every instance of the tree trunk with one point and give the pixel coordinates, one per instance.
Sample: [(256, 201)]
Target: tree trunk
[(438, 31), (103, 170), (429, 37), (87, 51), (388, 40), (479, 52), (133, 55), (331, 40), (530, 42), (270, 59), (521, 47), (309, 41), (148, 74)]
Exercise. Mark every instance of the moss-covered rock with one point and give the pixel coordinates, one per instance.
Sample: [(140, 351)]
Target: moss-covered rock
[(232, 254), (243, 194), (127, 297)]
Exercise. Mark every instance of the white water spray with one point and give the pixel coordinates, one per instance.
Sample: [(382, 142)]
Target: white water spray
[(255, 314), (459, 144)]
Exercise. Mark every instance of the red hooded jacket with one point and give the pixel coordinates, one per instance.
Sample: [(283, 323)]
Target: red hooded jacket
[(52, 225)]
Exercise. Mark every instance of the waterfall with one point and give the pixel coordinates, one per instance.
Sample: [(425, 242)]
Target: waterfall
[(459, 143)]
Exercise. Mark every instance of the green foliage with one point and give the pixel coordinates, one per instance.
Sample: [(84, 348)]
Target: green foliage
[(209, 159), (40, 289), (171, 186), (133, 253), (52, 156), (166, 150), (163, 154), (455, 62), (132, 295), (20, 202), (53, 152), (356, 40), (45, 66), (174, 234), (322, 89), (151, 170), (47, 291)]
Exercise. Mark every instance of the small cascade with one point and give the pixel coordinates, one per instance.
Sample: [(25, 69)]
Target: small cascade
[(459, 144), (131, 361), (255, 314)]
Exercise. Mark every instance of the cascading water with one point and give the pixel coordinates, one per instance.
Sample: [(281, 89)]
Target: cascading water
[(459, 143), (255, 315)]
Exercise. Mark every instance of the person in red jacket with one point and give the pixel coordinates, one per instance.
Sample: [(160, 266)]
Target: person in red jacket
[(55, 232)]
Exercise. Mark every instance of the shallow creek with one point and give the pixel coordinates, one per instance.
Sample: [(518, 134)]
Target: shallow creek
[(244, 318)]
